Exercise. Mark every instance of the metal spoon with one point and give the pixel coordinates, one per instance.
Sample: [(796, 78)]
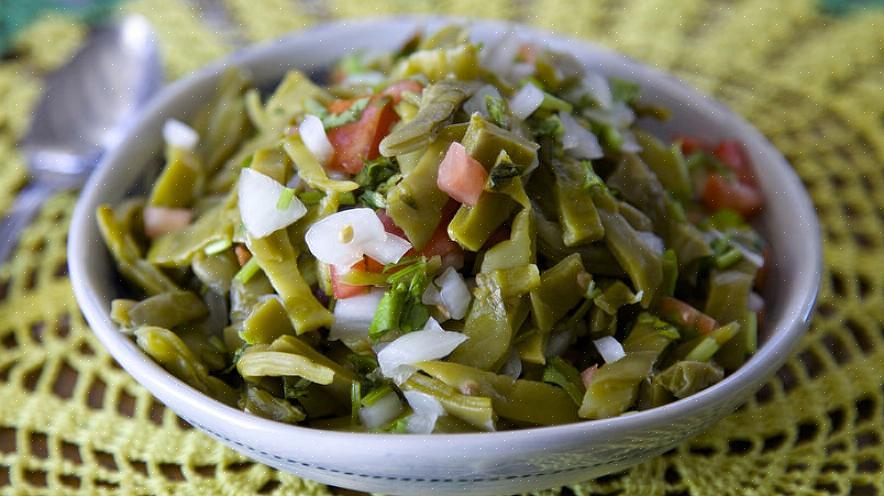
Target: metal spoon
[(85, 108)]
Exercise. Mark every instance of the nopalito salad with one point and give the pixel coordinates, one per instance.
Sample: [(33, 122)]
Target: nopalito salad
[(447, 238)]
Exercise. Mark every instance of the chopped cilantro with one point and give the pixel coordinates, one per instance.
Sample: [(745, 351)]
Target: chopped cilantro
[(623, 90), (497, 110)]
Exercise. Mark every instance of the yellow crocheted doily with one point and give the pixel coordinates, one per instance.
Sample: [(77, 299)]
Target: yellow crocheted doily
[(72, 422)]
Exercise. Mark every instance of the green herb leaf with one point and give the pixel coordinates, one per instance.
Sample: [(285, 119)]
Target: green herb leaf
[(564, 375), (352, 114), (311, 197), (623, 90), (401, 307), (376, 172), (285, 198), (373, 199), (497, 110), (247, 271)]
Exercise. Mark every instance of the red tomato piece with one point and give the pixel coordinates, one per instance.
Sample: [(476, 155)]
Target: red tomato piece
[(343, 290), (690, 145), (396, 89), (356, 142), (719, 193), (461, 176), (731, 154), (684, 315)]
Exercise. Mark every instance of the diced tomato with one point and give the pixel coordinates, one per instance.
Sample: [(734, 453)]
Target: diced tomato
[(684, 315), (461, 176), (163, 220), (587, 374), (338, 106), (690, 145), (243, 255), (719, 192), (440, 244), (731, 154), (396, 89), (356, 142), (343, 290)]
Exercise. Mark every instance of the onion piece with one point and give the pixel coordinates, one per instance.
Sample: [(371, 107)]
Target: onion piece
[(180, 135), (258, 198), (340, 239), (618, 115), (476, 103), (454, 293), (313, 134), (629, 144), (427, 409), (431, 295), (598, 89), (609, 348), (579, 141), (162, 220), (353, 316), (431, 343), (756, 302), (381, 412), (526, 101), (652, 241), (388, 251)]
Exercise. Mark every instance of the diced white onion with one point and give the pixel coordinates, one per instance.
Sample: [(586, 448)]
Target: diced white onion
[(326, 243), (381, 412), (598, 89), (431, 295), (370, 78), (619, 115), (390, 250), (753, 257), (476, 103), (629, 144), (313, 134), (258, 198), (609, 348), (454, 293), (427, 409), (163, 220), (180, 135), (579, 141), (294, 182), (526, 101), (520, 70), (652, 241), (756, 302), (497, 56), (431, 343), (513, 366), (353, 316)]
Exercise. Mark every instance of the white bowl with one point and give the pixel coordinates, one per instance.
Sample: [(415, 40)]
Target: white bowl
[(482, 463)]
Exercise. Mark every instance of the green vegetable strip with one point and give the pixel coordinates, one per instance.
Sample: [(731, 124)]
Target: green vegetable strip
[(278, 364), (167, 310), (181, 181), (438, 104), (484, 141), (127, 256), (728, 301), (343, 377), (415, 204), (564, 375), (667, 163), (685, 378), (278, 260), (614, 385), (177, 249), (267, 321), (310, 169), (519, 400), (490, 325), (475, 410), (645, 268), (559, 291)]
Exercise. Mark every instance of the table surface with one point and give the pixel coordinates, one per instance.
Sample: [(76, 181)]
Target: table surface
[(72, 422)]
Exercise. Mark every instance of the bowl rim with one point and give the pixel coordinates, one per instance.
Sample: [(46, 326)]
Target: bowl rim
[(751, 374)]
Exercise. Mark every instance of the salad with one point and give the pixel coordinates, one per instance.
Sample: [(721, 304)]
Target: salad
[(447, 238)]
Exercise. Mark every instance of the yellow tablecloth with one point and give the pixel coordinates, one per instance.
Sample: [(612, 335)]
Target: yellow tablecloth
[(71, 422)]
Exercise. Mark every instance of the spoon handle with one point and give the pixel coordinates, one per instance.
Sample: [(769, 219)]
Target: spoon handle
[(24, 209)]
